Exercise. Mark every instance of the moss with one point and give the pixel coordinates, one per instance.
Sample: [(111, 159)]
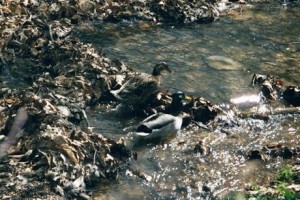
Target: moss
[(283, 178)]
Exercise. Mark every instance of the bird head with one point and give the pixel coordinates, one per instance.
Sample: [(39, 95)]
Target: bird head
[(177, 104), (158, 68), (179, 96)]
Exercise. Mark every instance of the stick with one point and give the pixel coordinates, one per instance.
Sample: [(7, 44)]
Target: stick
[(265, 116), (200, 125)]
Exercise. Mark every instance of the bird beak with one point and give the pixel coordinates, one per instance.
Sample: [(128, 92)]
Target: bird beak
[(166, 67), (188, 98)]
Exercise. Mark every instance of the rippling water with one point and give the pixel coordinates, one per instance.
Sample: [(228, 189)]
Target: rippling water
[(215, 61)]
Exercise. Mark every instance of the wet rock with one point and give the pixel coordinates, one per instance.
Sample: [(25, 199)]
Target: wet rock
[(200, 148), (203, 111), (292, 95), (254, 154), (198, 108), (279, 150), (223, 63), (272, 151), (179, 12)]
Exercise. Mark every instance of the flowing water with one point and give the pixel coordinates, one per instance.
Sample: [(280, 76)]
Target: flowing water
[(215, 61)]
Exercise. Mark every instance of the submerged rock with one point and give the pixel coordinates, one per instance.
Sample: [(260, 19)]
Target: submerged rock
[(272, 151), (223, 63), (292, 95)]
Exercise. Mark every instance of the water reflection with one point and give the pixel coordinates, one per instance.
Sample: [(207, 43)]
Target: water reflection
[(264, 40)]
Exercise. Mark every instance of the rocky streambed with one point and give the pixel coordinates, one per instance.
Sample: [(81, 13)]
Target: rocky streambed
[(48, 80)]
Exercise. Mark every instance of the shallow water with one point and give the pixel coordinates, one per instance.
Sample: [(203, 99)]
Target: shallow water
[(215, 61)]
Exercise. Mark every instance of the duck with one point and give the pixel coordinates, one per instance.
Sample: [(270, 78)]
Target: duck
[(177, 105), (138, 89), (162, 125), (159, 125)]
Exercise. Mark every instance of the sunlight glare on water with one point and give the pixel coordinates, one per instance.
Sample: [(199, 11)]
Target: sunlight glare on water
[(252, 98)]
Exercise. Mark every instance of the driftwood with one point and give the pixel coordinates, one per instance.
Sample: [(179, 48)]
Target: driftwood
[(265, 115)]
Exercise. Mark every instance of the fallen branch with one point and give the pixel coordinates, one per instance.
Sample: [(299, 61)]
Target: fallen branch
[(265, 115)]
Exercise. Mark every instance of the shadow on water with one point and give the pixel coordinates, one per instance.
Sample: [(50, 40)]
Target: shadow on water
[(215, 61)]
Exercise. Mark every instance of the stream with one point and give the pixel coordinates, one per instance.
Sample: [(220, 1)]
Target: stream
[(216, 61)]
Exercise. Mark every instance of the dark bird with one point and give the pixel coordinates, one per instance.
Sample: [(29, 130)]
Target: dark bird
[(137, 90), (177, 104)]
